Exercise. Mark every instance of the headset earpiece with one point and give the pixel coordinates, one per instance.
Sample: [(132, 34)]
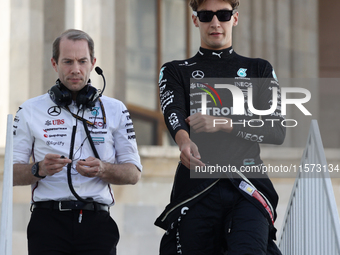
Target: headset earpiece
[(60, 95), (87, 97)]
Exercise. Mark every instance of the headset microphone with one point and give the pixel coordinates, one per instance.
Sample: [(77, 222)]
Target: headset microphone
[(99, 71)]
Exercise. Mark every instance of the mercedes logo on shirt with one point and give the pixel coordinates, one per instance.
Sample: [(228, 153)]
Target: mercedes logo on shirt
[(197, 74), (54, 111)]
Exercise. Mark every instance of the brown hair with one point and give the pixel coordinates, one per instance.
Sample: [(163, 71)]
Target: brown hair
[(194, 4), (72, 34)]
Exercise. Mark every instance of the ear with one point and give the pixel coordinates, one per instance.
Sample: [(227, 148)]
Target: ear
[(93, 63), (235, 19), (54, 64), (195, 20)]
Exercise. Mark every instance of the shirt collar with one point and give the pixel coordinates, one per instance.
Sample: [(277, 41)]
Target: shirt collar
[(225, 53)]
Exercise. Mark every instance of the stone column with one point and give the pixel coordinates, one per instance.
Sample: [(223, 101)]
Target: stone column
[(91, 24), (256, 32), (54, 25), (5, 20), (120, 49), (242, 32), (19, 53), (304, 63), (283, 41), (74, 14), (283, 50), (107, 45), (35, 54), (269, 31)]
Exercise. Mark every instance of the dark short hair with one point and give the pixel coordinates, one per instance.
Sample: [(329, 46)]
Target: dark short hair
[(194, 4), (75, 35)]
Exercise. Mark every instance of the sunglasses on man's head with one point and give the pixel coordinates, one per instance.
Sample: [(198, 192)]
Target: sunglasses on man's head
[(207, 16)]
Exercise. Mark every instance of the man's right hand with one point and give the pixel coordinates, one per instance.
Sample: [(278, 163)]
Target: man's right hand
[(52, 164), (190, 156)]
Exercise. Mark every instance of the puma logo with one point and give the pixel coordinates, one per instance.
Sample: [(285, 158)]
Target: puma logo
[(217, 54)]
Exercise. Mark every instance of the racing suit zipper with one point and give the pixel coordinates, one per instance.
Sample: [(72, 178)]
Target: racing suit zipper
[(188, 200)]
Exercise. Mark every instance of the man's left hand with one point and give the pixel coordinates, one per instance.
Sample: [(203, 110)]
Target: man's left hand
[(90, 167)]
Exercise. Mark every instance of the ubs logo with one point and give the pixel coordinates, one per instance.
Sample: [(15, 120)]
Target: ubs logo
[(55, 122), (54, 111)]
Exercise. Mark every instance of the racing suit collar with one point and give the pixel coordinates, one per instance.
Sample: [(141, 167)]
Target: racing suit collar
[(216, 54)]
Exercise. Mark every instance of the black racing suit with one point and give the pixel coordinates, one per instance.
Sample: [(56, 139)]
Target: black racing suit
[(180, 85)]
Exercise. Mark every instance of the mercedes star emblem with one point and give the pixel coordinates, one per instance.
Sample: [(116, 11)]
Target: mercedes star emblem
[(197, 74), (54, 111)]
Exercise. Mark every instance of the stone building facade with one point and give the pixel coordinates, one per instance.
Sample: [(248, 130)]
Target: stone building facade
[(132, 39)]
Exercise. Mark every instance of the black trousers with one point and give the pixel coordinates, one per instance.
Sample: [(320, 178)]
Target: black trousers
[(54, 232), (223, 222)]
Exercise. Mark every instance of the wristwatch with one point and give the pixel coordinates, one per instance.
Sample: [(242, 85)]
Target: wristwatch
[(35, 171)]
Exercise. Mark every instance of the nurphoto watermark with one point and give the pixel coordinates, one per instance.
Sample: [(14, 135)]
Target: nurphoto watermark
[(249, 106)]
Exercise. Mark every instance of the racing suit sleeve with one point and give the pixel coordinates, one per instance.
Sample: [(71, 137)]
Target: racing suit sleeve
[(172, 99), (269, 127)]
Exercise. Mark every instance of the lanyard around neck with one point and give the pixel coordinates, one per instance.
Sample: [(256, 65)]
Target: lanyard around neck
[(92, 124)]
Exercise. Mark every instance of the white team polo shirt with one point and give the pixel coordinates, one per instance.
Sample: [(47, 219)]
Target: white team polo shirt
[(41, 127)]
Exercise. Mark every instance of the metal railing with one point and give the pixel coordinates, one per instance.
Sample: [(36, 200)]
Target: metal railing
[(7, 194), (311, 224)]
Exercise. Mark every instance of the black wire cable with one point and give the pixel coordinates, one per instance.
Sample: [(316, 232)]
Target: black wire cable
[(69, 166)]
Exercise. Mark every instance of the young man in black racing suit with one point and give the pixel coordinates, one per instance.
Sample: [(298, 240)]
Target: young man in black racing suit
[(233, 215)]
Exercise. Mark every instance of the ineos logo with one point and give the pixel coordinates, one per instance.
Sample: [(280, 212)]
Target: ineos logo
[(197, 74), (54, 111)]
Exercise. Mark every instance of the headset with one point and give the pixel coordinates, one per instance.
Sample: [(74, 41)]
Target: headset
[(86, 97)]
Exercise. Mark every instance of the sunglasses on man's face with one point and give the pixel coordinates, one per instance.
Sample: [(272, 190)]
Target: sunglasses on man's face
[(207, 16)]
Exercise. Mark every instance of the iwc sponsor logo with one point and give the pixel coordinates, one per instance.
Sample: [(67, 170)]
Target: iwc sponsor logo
[(186, 63)]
